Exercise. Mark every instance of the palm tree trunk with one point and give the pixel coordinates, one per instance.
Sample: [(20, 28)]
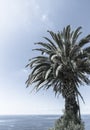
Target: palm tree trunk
[(71, 106)]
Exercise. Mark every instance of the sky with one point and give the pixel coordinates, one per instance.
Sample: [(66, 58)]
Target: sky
[(23, 23)]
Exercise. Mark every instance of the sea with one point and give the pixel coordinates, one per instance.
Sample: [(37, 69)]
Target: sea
[(33, 122)]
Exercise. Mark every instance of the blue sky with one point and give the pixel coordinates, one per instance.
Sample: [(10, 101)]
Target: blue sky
[(22, 23)]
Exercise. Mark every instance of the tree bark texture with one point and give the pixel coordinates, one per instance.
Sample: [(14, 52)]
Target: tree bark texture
[(71, 106)]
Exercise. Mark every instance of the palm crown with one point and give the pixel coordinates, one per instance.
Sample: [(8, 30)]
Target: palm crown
[(64, 63)]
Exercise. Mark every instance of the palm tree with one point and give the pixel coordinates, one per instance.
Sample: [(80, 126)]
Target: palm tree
[(63, 65)]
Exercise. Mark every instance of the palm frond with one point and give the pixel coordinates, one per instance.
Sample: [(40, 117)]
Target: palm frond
[(84, 41), (74, 51), (76, 35), (57, 38), (46, 45), (68, 34), (87, 50), (53, 45), (48, 73), (80, 95), (43, 50)]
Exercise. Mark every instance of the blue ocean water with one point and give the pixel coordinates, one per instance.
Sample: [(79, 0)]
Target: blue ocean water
[(33, 122)]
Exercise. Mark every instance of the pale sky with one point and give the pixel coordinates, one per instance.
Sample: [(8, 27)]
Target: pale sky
[(22, 23)]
